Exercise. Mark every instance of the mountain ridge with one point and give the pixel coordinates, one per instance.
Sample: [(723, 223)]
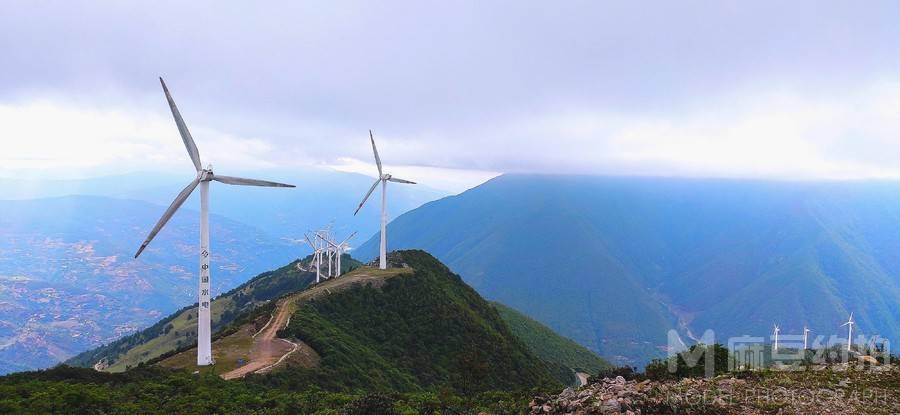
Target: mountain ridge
[(617, 262), (450, 305)]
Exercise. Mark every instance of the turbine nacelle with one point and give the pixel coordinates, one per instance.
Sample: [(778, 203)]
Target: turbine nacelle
[(206, 174)]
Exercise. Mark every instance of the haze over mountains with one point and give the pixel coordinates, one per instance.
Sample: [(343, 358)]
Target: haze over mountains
[(321, 195), (67, 278), (613, 263)]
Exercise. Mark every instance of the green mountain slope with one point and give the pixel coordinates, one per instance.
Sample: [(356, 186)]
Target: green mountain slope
[(415, 331), (557, 351), (179, 330), (614, 263)]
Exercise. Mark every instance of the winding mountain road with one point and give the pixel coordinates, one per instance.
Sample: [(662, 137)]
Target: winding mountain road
[(269, 351)]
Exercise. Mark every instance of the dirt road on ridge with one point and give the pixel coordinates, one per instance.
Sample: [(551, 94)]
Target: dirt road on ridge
[(268, 350)]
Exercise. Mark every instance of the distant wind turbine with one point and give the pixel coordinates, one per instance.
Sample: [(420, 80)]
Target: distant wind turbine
[(776, 337), (204, 176), (849, 323), (324, 239), (805, 336), (317, 256), (383, 178), (339, 250)]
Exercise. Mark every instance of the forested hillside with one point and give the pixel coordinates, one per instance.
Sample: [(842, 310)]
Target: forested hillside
[(614, 263), (562, 354), (414, 332)]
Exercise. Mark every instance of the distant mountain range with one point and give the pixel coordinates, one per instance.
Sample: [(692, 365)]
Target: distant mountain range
[(321, 196), (614, 263), (67, 278)]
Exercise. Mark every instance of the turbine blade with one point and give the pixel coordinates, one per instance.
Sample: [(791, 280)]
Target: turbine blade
[(371, 189), (179, 200), (396, 180), (240, 181), (182, 129), (375, 150), (348, 238), (326, 240)]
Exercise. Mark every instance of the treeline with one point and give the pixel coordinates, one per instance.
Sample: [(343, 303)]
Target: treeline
[(693, 363), (148, 390)]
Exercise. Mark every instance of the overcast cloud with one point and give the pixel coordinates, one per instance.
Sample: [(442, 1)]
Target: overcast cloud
[(456, 91)]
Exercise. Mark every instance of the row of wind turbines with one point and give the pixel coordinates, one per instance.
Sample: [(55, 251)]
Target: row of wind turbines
[(328, 247), (776, 330), (324, 245)]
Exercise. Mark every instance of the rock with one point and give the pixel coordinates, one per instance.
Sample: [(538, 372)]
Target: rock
[(612, 405), (620, 380)]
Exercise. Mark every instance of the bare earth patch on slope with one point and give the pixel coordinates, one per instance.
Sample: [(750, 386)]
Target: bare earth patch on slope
[(249, 350)]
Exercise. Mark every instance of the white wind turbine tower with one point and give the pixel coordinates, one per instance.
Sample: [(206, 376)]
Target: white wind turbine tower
[(339, 250), (204, 176), (332, 259), (343, 247), (327, 241), (317, 256), (383, 178), (849, 331), (776, 337), (805, 337)]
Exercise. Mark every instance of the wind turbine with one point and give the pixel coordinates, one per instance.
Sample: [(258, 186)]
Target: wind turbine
[(339, 250), (332, 259), (317, 255), (849, 331), (204, 176), (325, 240), (805, 336), (383, 178), (776, 337)]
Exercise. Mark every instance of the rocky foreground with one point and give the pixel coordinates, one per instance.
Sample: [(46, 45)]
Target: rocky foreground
[(827, 390)]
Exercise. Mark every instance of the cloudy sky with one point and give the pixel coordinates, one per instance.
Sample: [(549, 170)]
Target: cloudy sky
[(456, 91)]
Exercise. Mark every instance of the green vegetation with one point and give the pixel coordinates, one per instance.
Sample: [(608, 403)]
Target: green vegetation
[(615, 263), (152, 390), (179, 330), (658, 369), (563, 355), (418, 341), (421, 331)]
